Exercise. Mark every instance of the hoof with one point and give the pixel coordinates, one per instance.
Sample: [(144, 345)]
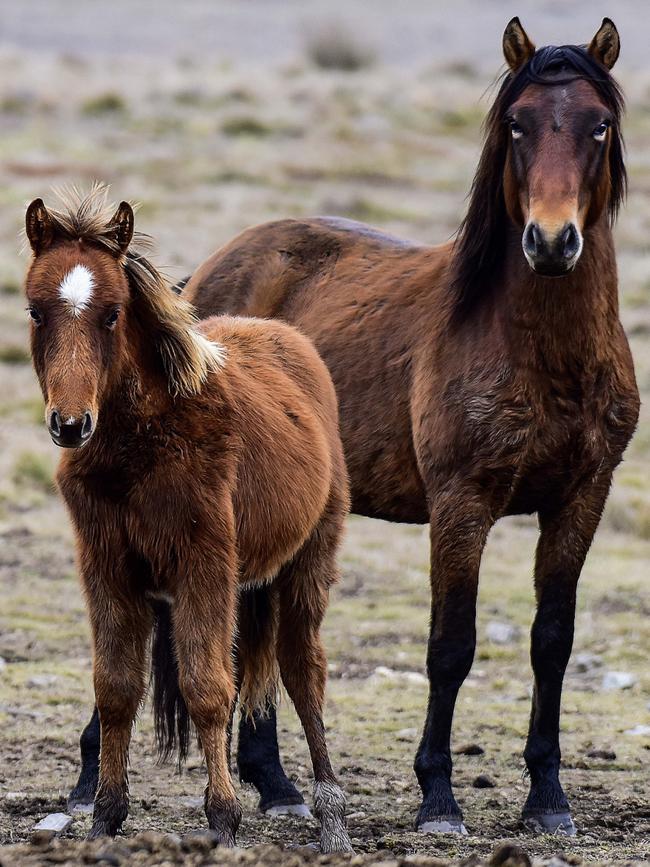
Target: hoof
[(300, 810), (560, 824), (82, 808), (100, 829), (82, 800), (443, 825)]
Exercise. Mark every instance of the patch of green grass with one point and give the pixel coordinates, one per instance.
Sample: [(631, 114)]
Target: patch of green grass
[(14, 355), (105, 103), (34, 471), (246, 125)]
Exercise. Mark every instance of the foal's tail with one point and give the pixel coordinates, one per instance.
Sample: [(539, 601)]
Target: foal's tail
[(256, 649), (172, 720)]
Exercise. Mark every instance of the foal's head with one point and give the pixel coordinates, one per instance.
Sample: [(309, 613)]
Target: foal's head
[(95, 308), (552, 162), (563, 164)]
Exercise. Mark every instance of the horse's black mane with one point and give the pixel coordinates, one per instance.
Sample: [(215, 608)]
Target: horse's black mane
[(480, 242)]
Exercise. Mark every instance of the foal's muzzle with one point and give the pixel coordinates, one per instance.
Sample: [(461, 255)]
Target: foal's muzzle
[(71, 433), (552, 255)]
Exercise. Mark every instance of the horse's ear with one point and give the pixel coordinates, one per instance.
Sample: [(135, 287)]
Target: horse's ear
[(606, 44), (121, 226), (38, 226), (517, 47)]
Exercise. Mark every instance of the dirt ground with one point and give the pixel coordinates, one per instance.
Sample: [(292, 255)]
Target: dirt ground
[(209, 143)]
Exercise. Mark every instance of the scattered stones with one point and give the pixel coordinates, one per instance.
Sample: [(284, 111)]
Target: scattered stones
[(391, 674), (469, 750), (484, 782), (41, 681), (639, 731), (509, 855), (607, 755), (55, 822), (502, 633), (618, 680)]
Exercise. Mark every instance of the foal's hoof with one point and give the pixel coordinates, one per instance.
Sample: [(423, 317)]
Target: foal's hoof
[(82, 798), (300, 810), (443, 825), (560, 824)]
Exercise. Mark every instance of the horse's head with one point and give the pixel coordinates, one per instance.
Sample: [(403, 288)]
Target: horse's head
[(76, 292), (563, 165)]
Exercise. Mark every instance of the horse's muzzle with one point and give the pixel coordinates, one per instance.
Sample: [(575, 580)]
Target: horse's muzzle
[(552, 256), (71, 433)]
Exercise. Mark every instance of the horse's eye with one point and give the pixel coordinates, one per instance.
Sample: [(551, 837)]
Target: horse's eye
[(112, 318), (515, 129), (601, 131), (36, 316)]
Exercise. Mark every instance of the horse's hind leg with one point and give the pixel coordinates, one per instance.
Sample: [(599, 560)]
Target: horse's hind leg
[(565, 538), (304, 589), (258, 756), (83, 794)]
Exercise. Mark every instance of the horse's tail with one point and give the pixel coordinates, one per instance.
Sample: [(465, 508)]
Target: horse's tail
[(256, 654), (171, 718)]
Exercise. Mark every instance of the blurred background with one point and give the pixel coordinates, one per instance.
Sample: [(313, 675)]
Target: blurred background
[(215, 116)]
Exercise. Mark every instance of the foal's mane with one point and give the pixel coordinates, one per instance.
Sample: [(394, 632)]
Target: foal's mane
[(480, 242), (186, 355)]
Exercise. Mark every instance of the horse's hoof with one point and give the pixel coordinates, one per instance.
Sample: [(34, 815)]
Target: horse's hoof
[(443, 825), (560, 824), (99, 829), (300, 810)]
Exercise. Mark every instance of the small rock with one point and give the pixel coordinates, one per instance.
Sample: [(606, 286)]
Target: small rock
[(502, 633), (358, 815), (469, 750), (408, 676), (484, 782), (57, 822), (509, 855), (638, 731), (406, 735), (584, 662), (618, 680), (41, 681), (608, 755)]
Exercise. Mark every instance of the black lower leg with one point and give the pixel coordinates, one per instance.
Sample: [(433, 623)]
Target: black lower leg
[(449, 661), (84, 791), (258, 761), (551, 640)]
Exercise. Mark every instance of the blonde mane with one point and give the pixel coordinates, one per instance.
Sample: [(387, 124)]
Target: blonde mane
[(186, 355)]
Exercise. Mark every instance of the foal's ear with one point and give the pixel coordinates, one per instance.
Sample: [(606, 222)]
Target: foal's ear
[(606, 44), (38, 226), (517, 47), (121, 226)]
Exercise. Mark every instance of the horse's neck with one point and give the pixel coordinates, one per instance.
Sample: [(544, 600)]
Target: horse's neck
[(567, 321)]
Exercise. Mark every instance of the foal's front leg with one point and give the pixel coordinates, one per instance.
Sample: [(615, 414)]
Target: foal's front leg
[(204, 623), (121, 624), (460, 522), (566, 535)]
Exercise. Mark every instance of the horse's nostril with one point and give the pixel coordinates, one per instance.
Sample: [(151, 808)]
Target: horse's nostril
[(87, 426), (531, 240), (55, 423), (570, 242)]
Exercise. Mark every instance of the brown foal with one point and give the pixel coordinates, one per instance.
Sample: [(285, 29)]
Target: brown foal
[(471, 383), (200, 460)]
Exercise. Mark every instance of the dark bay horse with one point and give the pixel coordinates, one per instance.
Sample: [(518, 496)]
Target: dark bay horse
[(199, 459), (487, 377)]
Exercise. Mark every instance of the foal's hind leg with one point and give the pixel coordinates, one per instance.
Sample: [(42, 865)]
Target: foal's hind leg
[(565, 538), (258, 756), (304, 589), (83, 794)]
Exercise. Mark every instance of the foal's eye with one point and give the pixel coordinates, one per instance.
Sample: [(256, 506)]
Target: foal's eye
[(35, 315), (515, 129), (601, 131), (112, 318)]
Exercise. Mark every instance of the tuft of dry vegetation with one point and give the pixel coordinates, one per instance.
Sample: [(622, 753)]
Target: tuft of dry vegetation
[(332, 45)]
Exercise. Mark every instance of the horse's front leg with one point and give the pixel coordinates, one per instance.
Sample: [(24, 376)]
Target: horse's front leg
[(204, 612), (460, 522), (566, 534), (84, 791), (121, 625)]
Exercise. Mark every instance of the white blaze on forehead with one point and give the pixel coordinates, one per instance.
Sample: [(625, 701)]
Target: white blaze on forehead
[(77, 288)]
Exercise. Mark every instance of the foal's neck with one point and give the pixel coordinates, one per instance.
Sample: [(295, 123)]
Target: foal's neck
[(565, 321)]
